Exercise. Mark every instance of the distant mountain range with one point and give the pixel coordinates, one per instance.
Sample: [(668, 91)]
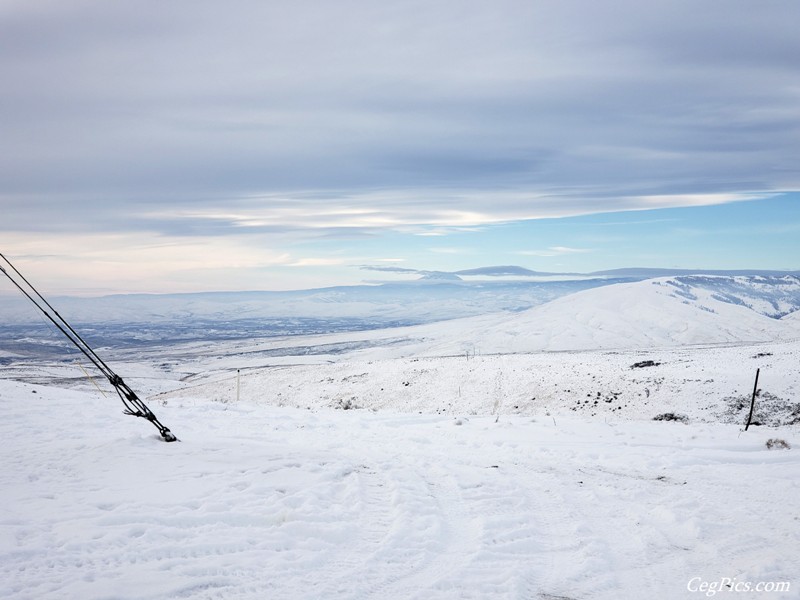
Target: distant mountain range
[(646, 273), (601, 310), (629, 272), (634, 272), (435, 297)]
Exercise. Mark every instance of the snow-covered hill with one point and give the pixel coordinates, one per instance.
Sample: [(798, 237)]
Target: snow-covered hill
[(793, 317), (377, 321), (668, 312), (710, 384), (675, 311), (773, 296)]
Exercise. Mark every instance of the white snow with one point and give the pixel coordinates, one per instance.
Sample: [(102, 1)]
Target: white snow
[(794, 316), (702, 382), (644, 314), (259, 501), (490, 476), (263, 502)]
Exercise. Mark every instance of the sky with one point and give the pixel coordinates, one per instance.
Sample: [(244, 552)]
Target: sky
[(192, 146)]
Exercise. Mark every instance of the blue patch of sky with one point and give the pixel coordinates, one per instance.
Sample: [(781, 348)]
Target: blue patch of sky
[(756, 234)]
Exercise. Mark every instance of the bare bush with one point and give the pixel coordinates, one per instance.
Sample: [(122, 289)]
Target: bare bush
[(671, 417), (777, 444)]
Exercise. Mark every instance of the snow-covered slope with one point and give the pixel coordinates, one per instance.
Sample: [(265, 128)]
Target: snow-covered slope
[(793, 317), (773, 296), (644, 314), (711, 384), (258, 502)]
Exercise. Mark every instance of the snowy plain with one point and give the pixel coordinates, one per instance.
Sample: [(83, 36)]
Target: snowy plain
[(420, 462)]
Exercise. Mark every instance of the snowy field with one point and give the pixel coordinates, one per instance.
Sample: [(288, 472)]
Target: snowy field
[(402, 464), (261, 501)]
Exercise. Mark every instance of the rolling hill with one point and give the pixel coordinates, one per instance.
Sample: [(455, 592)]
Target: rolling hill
[(671, 311)]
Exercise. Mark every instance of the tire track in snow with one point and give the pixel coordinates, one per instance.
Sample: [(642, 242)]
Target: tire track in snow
[(413, 532), (608, 539), (449, 548), (351, 570), (520, 525)]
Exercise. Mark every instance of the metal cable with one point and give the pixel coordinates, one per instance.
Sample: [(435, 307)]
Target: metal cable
[(133, 404)]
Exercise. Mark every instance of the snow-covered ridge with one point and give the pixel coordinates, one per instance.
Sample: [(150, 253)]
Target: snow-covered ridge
[(795, 316), (771, 296), (671, 311), (664, 312)]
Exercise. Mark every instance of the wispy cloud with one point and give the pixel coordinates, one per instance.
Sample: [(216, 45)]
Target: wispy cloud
[(455, 212), (316, 262), (389, 269), (127, 263), (440, 231), (371, 211)]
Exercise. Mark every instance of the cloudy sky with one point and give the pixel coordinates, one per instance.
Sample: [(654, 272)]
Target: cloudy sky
[(264, 144)]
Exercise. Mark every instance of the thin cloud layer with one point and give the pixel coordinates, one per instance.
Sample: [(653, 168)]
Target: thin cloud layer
[(198, 102), (315, 119)]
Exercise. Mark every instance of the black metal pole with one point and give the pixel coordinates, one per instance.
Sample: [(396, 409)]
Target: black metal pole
[(752, 401)]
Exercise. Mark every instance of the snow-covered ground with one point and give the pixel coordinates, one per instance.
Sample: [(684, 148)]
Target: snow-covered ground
[(417, 463), (264, 502), (711, 384)]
